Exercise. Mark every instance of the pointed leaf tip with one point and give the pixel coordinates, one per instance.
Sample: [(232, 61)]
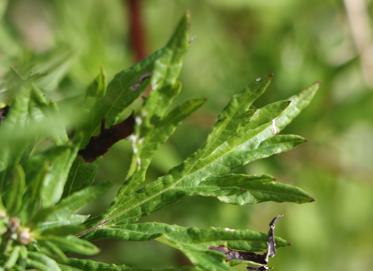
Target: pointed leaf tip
[(182, 27), (311, 90), (299, 139)]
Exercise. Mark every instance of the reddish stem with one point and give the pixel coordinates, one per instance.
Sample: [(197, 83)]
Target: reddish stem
[(136, 30)]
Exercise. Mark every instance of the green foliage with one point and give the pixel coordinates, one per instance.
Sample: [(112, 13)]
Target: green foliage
[(45, 183)]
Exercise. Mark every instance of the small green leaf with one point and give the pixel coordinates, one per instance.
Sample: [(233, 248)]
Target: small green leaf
[(13, 257), (41, 108), (80, 176), (98, 87), (63, 213), (48, 186), (15, 190), (52, 251), (118, 96), (73, 244), (41, 262), (62, 226), (81, 198), (204, 258), (48, 73)]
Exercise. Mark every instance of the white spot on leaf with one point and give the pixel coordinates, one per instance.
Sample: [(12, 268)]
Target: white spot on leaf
[(138, 121), (275, 129), (229, 229)]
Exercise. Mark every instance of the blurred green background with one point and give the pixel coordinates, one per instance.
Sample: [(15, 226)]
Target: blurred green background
[(235, 41)]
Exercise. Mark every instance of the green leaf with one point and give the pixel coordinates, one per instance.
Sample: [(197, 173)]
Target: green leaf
[(244, 131), (90, 265), (80, 176), (243, 189), (59, 163), (168, 66), (231, 115), (118, 96), (194, 242), (98, 87), (252, 142), (55, 184), (13, 257), (52, 251), (144, 148), (15, 190), (159, 103), (72, 225), (81, 198), (48, 71), (41, 262), (127, 85), (204, 258), (31, 117), (63, 213), (165, 86), (16, 118), (47, 174), (73, 244), (179, 234), (153, 127), (41, 108)]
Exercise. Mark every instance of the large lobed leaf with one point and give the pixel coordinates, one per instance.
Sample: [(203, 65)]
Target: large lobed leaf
[(194, 242), (157, 119), (247, 141)]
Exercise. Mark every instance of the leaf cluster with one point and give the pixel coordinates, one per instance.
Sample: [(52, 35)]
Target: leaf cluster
[(47, 169)]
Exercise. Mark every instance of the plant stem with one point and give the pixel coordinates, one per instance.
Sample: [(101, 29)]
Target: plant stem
[(136, 29)]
